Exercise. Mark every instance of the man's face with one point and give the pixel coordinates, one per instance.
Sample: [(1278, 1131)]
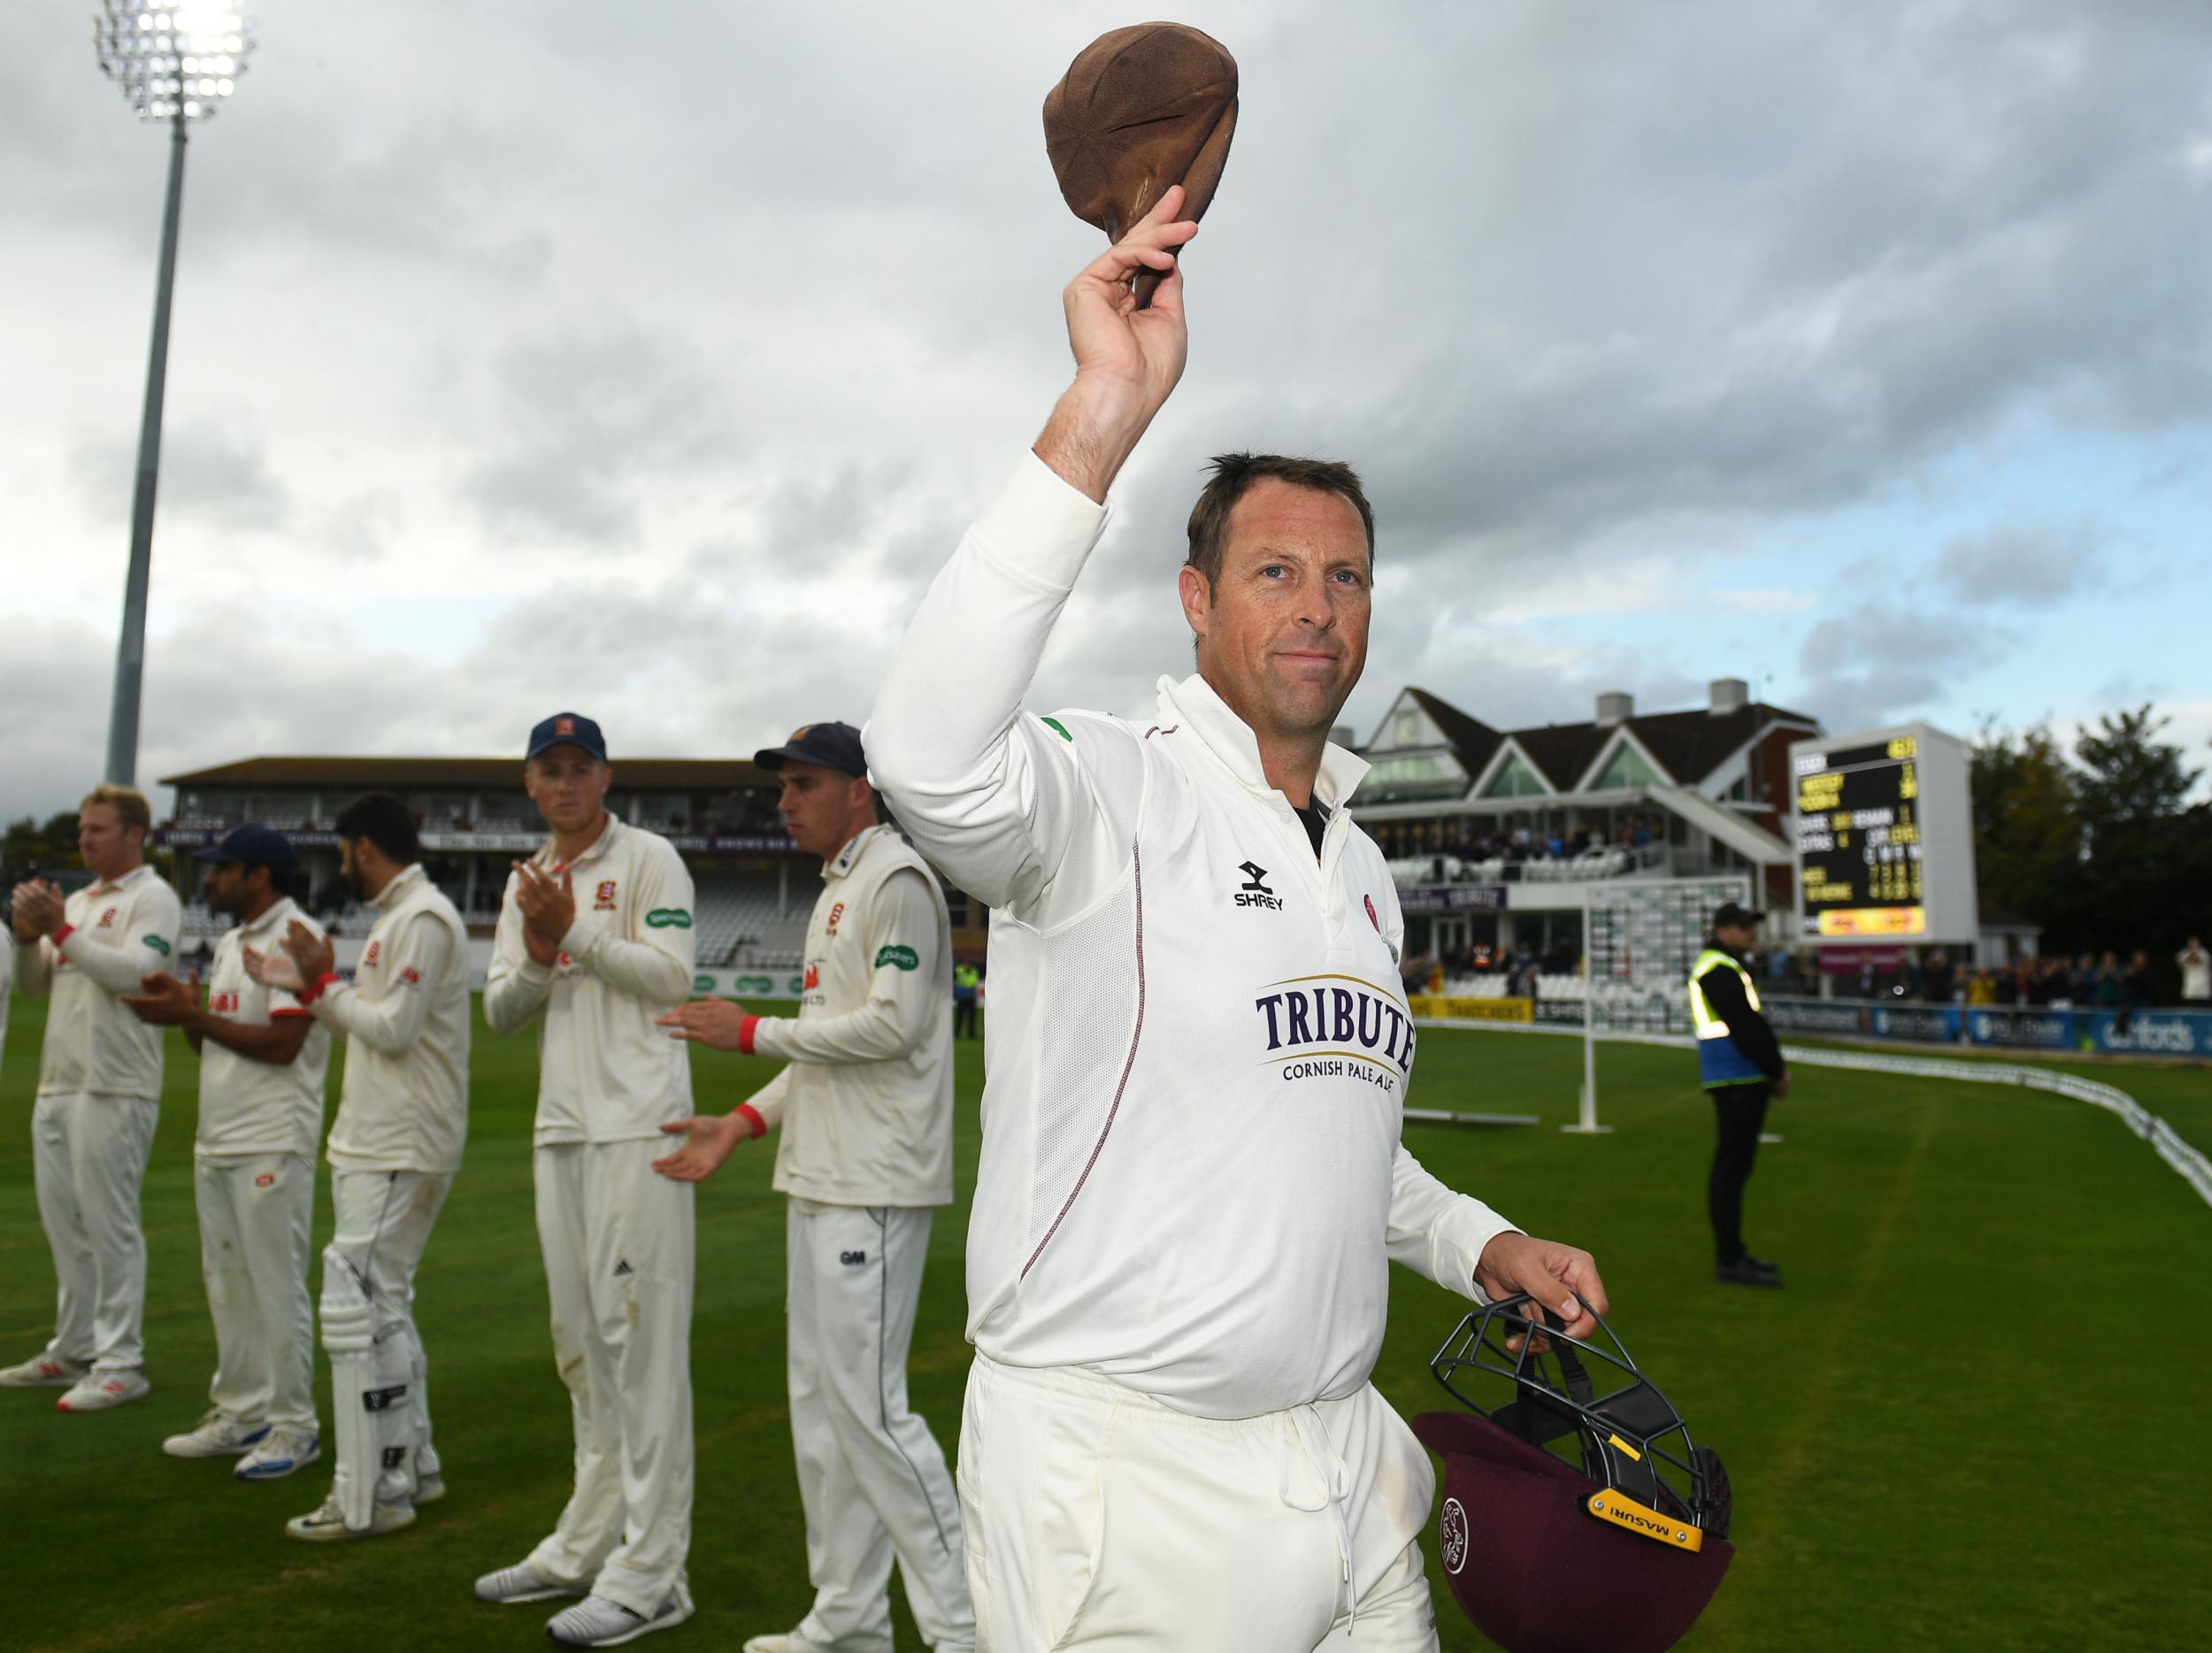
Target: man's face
[(110, 849), (349, 869), (1736, 937), (1282, 633), (822, 808), (229, 888), (569, 786)]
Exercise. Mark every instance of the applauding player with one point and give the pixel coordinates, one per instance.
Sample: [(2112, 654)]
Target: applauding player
[(403, 1117), (263, 1057), (865, 1103), (595, 940), (99, 1090)]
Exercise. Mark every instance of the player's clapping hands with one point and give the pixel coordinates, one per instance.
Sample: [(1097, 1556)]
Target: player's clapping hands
[(709, 1140), (548, 910), (38, 909), (715, 1022), (306, 958), (163, 1001)]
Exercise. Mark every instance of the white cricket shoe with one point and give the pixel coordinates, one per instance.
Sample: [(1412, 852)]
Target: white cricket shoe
[(325, 1525), (428, 1489), (519, 1583), (596, 1622), (215, 1436), (791, 1641), (96, 1391), (280, 1452), (41, 1371)]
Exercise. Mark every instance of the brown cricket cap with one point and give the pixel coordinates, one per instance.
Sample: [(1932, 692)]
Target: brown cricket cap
[(1139, 110)]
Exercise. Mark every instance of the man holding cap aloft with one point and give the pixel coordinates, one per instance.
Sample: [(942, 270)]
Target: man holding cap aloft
[(1741, 1065), (595, 940), (262, 1062), (865, 1105)]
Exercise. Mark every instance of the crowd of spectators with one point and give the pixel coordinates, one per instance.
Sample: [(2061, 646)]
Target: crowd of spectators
[(1521, 966), (2055, 981), (1410, 841)]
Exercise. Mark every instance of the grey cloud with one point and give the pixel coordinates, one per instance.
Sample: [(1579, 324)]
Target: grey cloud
[(1880, 660), (218, 475), (2019, 563)]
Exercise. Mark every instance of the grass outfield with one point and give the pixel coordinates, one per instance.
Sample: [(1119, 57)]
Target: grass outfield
[(1974, 1420)]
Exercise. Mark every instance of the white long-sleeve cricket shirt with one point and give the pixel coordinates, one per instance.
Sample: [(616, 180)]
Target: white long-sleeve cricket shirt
[(866, 1102), (605, 1072), (1192, 1181), (112, 935), (403, 1104)]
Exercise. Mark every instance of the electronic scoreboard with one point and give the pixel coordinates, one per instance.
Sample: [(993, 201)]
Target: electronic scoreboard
[(1885, 838)]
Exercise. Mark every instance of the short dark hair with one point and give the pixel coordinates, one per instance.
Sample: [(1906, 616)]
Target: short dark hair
[(385, 822), (1234, 474)]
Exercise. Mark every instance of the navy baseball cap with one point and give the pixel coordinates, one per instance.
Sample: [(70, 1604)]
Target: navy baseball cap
[(1729, 913), (567, 728), (252, 845), (831, 745)]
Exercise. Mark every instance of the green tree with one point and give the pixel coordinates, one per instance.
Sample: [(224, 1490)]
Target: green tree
[(51, 845), (2027, 824), (2149, 853)]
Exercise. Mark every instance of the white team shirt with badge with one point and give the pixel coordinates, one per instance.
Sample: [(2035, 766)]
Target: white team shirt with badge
[(113, 933), (403, 1104), (866, 1102), (606, 1074), (1192, 1178), (250, 1108)]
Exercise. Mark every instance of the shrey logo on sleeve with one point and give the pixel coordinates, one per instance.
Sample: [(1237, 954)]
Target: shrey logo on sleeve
[(666, 918), (900, 957)]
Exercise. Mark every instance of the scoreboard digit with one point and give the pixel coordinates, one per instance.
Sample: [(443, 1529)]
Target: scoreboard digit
[(1867, 858)]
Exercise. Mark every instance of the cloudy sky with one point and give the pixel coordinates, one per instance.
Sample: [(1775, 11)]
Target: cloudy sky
[(648, 360)]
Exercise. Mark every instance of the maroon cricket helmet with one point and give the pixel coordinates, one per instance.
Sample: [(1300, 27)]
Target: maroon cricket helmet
[(1572, 1522)]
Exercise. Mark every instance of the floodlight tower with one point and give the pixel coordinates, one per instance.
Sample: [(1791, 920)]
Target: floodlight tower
[(175, 60)]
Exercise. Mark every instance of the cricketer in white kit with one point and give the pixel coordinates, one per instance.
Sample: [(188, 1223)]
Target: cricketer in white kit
[(99, 1090), (394, 1151), (595, 940), (865, 1106), (262, 1060), (1192, 1178)]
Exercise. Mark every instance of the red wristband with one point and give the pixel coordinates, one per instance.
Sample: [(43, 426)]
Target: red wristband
[(322, 984), (64, 934), (753, 1119), (745, 1034)]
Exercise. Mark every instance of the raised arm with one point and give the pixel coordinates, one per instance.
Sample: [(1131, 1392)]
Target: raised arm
[(516, 991), (142, 949), (418, 954), (905, 992), (997, 800), (657, 967)]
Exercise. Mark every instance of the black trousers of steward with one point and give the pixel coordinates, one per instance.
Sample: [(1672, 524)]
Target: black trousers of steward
[(1740, 1113)]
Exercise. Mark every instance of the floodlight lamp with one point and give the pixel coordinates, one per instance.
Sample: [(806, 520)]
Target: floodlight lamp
[(145, 45)]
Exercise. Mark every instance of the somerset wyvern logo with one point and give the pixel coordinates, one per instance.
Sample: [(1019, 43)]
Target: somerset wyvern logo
[(1336, 1026)]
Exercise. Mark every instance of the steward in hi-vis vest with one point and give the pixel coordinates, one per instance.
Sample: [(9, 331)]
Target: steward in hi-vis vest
[(1741, 1065)]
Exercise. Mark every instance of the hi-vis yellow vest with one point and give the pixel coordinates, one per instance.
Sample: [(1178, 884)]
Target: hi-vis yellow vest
[(1718, 1059)]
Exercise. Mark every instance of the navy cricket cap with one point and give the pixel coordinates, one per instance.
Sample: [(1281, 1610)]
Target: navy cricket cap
[(567, 728), (1730, 913), (252, 845), (831, 745)]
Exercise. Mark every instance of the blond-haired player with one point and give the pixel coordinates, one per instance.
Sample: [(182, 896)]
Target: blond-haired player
[(99, 1090)]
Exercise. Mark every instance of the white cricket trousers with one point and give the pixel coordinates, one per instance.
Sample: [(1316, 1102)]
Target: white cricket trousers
[(381, 1225), (871, 1478), (256, 1217), (619, 1267), (87, 1161), (1100, 1518)]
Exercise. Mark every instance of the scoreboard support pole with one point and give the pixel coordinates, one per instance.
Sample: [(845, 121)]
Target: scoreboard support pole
[(1587, 1121)]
